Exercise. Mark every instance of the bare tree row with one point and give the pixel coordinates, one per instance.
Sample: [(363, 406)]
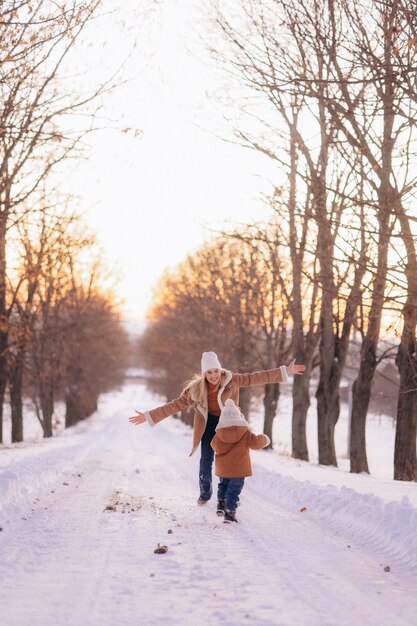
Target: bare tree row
[(59, 330), (327, 90)]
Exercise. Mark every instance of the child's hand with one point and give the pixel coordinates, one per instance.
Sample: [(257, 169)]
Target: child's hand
[(138, 419), (292, 368)]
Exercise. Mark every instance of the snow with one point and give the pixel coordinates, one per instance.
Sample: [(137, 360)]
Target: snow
[(81, 515)]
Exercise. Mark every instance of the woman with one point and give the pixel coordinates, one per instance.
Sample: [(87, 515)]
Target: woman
[(207, 393)]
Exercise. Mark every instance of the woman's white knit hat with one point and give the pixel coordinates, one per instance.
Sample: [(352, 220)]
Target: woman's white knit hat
[(209, 361), (231, 416)]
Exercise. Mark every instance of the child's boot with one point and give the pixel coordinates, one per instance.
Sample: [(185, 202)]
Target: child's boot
[(230, 516), (221, 507)]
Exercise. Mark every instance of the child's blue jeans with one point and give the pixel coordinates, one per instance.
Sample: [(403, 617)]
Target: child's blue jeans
[(229, 489)]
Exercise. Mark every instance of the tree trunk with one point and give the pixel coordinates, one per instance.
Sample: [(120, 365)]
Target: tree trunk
[(361, 394), (244, 400), (301, 403), (47, 407), (328, 408), (272, 391), (3, 316), (327, 394), (303, 347), (90, 403), (80, 404), (16, 404), (72, 401), (72, 410), (3, 382), (327, 391), (357, 437), (361, 391), (405, 461)]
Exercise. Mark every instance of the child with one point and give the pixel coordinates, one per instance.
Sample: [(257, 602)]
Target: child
[(231, 445)]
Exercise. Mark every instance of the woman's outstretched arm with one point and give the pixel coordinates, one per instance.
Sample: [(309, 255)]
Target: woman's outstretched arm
[(156, 415), (140, 418), (276, 375), (294, 368)]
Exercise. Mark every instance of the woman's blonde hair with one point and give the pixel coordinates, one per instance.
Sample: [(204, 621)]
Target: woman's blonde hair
[(197, 387)]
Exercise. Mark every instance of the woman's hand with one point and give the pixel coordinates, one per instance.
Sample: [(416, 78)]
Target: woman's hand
[(292, 368), (138, 419)]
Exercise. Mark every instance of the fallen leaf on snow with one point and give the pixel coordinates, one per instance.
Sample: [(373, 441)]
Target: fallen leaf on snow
[(161, 549), (303, 508)]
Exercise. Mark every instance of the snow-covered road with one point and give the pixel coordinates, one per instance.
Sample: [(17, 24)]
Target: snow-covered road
[(82, 514)]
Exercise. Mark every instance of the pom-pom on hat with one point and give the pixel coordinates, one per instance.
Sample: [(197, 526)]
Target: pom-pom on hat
[(209, 361), (231, 416)]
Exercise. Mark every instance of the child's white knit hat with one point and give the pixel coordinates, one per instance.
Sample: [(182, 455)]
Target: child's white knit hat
[(231, 416), (209, 361)]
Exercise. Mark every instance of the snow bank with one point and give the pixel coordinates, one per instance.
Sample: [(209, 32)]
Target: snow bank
[(390, 528), (27, 471)]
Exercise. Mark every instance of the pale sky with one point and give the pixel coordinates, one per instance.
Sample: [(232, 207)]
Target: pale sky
[(153, 199)]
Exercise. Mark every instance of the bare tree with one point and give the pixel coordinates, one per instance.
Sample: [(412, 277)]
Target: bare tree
[(49, 249)]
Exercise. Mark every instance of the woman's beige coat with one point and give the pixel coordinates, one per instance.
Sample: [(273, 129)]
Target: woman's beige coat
[(229, 388)]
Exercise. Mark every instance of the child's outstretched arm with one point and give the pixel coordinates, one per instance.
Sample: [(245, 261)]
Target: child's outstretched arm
[(256, 442)]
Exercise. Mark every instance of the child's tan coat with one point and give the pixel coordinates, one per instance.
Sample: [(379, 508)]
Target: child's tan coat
[(232, 445)]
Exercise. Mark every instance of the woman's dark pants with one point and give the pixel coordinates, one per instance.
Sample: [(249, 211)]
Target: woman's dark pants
[(206, 459)]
